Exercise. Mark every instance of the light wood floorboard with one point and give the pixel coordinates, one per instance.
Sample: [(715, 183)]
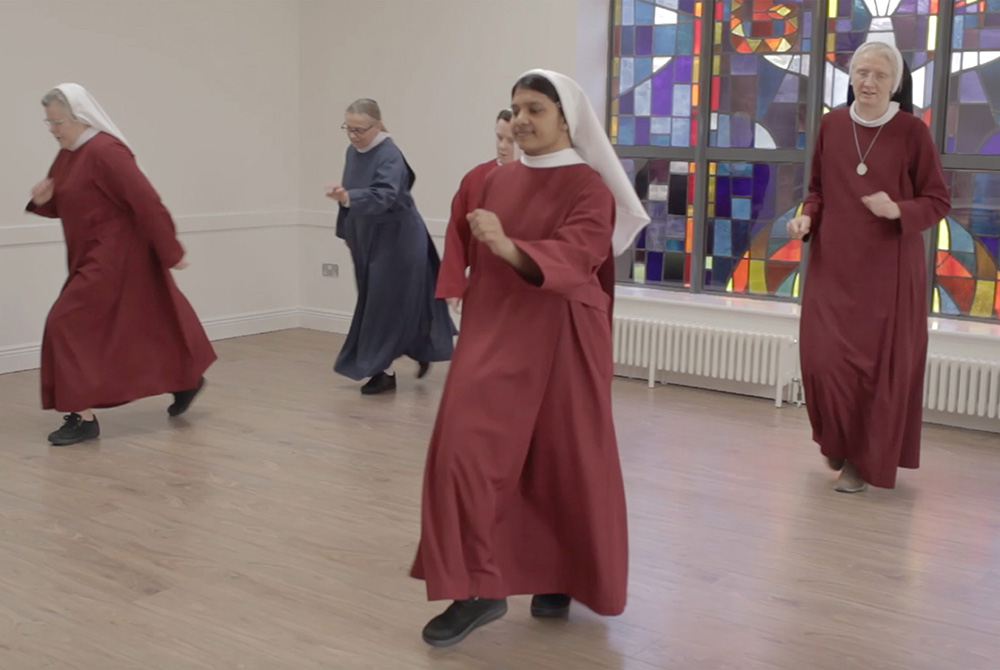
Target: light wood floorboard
[(272, 528)]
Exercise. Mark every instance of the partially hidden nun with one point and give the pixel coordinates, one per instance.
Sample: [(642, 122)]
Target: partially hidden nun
[(120, 329), (523, 490), (395, 261)]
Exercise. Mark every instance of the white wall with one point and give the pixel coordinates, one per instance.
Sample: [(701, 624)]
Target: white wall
[(234, 109), (440, 70), (208, 95)]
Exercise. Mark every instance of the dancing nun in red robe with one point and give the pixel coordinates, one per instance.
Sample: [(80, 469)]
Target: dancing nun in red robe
[(455, 262), (876, 185), (120, 329), (523, 489)]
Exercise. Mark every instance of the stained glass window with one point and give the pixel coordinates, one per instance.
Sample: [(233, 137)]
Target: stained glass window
[(973, 121), (662, 252), (747, 247), (912, 25), (654, 73), (756, 94), (760, 65), (968, 247)]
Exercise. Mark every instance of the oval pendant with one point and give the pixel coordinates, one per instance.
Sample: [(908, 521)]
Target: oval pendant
[(862, 169)]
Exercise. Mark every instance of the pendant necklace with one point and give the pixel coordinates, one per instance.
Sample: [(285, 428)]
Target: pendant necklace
[(862, 168)]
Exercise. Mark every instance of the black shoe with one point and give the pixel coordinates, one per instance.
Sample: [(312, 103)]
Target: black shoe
[(75, 430), (183, 399), (550, 605), (423, 368), (380, 383), (461, 618)]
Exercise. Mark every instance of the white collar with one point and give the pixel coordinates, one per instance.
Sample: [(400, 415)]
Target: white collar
[(559, 158), (880, 121), (379, 139), (87, 135)]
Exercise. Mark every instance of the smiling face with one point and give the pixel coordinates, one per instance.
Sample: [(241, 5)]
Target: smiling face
[(62, 125), (872, 77), (539, 125)]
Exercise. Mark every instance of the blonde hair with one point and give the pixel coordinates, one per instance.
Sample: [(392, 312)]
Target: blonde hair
[(57, 96), (369, 108)]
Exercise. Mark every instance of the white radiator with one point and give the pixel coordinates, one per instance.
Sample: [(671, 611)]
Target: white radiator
[(962, 386), (742, 356), (956, 385)]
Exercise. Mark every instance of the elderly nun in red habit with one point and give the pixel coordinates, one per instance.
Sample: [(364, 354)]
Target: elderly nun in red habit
[(876, 185), (523, 488), (120, 329)]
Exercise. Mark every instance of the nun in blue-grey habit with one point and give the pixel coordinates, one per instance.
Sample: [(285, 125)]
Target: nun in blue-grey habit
[(395, 261)]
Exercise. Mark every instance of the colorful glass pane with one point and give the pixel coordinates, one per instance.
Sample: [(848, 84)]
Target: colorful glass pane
[(760, 66), (912, 25), (654, 72), (967, 254), (662, 253), (747, 249), (973, 120)]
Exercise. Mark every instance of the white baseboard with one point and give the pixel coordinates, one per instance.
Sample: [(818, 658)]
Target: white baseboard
[(326, 320), (253, 323), (19, 358)]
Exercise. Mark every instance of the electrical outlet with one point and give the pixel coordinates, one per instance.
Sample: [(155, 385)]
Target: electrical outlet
[(330, 270)]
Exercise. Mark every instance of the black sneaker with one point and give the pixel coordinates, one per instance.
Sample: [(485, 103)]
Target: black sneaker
[(75, 430), (550, 605), (380, 383), (422, 369), (183, 399), (461, 618)]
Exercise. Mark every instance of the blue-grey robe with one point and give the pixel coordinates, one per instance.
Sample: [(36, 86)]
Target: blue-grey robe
[(395, 265)]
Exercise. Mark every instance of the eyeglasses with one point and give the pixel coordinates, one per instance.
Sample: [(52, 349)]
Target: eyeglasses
[(355, 131), (52, 123)]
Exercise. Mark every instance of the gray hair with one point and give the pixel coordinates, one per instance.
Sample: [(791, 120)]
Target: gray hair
[(57, 96), (891, 54), (366, 106)]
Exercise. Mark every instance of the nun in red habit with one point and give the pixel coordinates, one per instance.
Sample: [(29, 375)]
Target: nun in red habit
[(120, 329), (523, 488), (876, 185), (451, 276)]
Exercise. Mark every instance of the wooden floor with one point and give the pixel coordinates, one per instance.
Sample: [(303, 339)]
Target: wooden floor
[(272, 528)]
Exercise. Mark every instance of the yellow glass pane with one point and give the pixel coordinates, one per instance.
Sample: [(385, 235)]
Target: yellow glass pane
[(758, 284)]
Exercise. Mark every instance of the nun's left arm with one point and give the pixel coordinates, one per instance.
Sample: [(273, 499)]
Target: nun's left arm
[(931, 200), (572, 256), (122, 180)]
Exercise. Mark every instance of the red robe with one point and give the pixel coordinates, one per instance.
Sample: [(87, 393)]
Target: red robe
[(451, 277), (120, 329), (523, 489), (864, 306)]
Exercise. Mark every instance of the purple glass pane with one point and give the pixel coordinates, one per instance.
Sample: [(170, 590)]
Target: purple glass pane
[(970, 90), (989, 38), (626, 103), (740, 132), (642, 130), (991, 146), (643, 40), (663, 87)]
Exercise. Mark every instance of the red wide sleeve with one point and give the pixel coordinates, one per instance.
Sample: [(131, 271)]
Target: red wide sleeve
[(931, 201), (451, 276), (581, 244)]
